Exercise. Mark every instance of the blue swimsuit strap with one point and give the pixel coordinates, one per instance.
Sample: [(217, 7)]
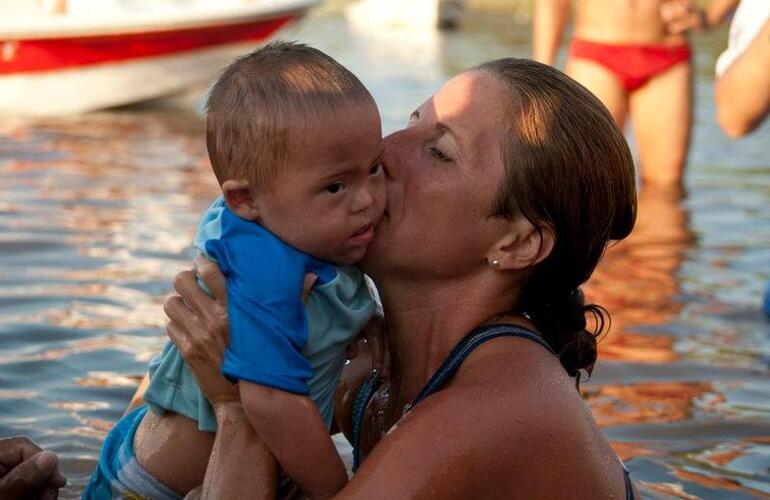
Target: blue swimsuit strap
[(447, 369)]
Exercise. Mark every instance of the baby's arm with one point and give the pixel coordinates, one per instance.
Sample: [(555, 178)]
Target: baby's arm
[(292, 427)]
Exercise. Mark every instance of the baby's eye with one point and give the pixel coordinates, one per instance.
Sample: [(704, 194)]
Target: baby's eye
[(335, 188), (439, 155), (376, 169)]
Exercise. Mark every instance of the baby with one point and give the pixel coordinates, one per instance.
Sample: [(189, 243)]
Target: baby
[(295, 142)]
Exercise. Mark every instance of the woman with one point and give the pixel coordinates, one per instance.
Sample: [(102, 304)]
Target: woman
[(638, 64), (503, 192)]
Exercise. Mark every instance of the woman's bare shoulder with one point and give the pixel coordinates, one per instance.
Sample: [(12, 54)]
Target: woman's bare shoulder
[(532, 418), (474, 438)]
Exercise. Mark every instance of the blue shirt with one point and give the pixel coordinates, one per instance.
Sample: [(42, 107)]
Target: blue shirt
[(275, 340)]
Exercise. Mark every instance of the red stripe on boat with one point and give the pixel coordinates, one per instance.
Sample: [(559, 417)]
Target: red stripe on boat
[(27, 56)]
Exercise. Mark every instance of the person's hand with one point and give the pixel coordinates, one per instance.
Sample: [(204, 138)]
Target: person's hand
[(681, 16), (26, 471), (198, 326), (374, 336)]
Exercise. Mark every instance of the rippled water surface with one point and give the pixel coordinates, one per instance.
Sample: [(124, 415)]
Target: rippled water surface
[(97, 213)]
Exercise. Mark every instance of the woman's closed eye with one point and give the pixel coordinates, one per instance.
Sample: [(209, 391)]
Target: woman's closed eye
[(439, 155)]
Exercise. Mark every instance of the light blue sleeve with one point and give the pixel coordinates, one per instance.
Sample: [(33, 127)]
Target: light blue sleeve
[(268, 322)]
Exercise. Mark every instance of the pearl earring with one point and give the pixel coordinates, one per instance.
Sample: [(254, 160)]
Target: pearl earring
[(495, 263)]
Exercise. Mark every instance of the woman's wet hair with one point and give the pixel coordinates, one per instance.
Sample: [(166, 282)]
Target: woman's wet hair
[(569, 171)]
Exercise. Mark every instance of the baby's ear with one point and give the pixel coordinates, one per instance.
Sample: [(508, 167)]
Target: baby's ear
[(240, 198)]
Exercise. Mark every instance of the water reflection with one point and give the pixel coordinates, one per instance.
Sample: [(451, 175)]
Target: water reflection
[(638, 280)]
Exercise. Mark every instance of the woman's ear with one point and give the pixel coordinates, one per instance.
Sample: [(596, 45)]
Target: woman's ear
[(522, 247), (240, 198)]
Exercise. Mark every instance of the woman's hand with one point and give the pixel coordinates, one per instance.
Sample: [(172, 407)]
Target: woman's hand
[(198, 326), (681, 16)]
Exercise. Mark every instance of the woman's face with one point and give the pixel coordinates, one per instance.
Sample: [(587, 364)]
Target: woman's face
[(444, 170)]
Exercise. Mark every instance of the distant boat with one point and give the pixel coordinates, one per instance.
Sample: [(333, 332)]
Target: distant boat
[(78, 60)]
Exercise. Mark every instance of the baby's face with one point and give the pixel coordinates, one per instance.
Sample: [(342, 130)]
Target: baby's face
[(328, 201)]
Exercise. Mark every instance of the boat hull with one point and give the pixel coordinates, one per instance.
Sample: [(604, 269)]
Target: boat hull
[(80, 72), (87, 88)]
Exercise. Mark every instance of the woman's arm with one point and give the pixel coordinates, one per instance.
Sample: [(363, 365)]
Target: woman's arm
[(547, 29), (743, 92), (240, 466)]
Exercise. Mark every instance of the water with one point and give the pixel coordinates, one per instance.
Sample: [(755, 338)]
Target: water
[(97, 213)]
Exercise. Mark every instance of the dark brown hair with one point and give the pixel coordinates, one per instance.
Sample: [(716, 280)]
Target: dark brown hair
[(263, 98), (568, 171)]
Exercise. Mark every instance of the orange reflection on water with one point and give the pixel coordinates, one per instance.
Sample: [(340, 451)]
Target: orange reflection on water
[(671, 489), (108, 379), (82, 315), (637, 279), (646, 402), (715, 482), (627, 450)]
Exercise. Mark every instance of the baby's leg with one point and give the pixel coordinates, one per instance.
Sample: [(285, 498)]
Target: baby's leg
[(172, 449)]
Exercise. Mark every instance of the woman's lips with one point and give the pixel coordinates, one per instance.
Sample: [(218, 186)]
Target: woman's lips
[(363, 236)]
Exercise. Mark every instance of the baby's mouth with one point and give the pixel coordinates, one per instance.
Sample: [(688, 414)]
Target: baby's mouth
[(363, 236), (363, 230)]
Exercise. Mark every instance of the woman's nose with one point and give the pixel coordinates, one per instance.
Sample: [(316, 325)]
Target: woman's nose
[(394, 146)]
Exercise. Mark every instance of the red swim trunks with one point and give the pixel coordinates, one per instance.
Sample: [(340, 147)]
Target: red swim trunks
[(634, 65)]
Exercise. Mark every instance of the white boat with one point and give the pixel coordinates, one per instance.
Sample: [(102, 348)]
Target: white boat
[(90, 55)]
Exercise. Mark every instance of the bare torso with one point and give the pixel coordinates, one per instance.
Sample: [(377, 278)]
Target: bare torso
[(622, 22)]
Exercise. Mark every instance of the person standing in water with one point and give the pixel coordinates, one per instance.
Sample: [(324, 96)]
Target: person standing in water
[(628, 56), (742, 83)]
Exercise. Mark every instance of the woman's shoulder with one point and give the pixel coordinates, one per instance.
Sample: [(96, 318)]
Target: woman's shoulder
[(525, 413), (465, 441)]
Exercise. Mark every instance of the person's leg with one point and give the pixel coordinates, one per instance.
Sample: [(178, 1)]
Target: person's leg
[(449, 14), (661, 114), (603, 83)]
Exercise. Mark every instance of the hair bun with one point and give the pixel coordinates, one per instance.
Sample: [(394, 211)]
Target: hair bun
[(562, 322), (579, 352)]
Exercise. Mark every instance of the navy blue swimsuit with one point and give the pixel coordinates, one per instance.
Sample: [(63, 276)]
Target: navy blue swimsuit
[(442, 375)]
